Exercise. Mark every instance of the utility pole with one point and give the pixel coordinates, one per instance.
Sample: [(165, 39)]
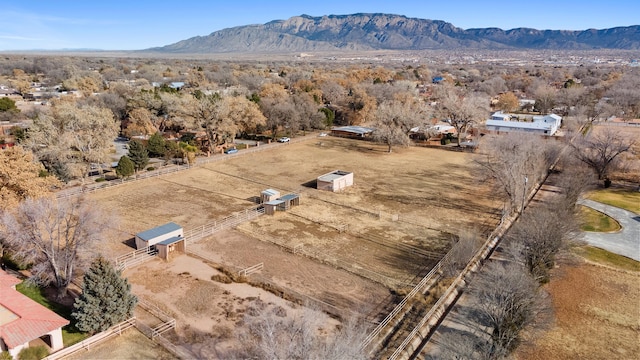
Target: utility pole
[(524, 194)]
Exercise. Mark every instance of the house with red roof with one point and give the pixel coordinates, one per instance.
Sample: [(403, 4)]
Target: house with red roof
[(24, 321)]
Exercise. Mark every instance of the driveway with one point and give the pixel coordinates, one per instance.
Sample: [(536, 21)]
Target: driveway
[(625, 242)]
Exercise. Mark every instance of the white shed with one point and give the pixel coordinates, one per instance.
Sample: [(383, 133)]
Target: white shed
[(335, 181), (158, 234), (269, 195)]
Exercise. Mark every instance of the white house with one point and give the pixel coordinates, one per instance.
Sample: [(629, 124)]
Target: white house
[(24, 322), (541, 124)]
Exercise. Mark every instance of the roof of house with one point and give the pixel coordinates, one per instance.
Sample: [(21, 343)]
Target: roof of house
[(274, 202), (360, 130), (30, 320), (536, 125), (170, 241), (158, 231)]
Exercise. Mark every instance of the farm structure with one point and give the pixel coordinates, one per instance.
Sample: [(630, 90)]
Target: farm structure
[(167, 247), (269, 195), (281, 204), (335, 181), (168, 235)]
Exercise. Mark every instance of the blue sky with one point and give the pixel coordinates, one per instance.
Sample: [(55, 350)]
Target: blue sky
[(140, 24)]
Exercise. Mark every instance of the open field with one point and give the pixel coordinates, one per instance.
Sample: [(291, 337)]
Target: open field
[(597, 315), (381, 234), (398, 219)]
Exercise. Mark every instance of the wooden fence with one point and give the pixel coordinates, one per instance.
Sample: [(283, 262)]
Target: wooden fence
[(251, 269), (88, 343), (228, 222)]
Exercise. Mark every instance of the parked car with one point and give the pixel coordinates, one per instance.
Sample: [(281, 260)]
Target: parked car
[(230, 151), (284, 139)]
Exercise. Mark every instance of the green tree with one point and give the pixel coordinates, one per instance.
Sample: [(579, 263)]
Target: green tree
[(106, 298), (139, 154), (125, 167), (157, 145), (7, 104)]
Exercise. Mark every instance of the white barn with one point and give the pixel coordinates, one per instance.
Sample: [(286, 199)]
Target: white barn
[(158, 234), (335, 181)]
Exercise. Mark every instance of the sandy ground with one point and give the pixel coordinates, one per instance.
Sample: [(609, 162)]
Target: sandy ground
[(131, 345), (208, 313), (597, 312)]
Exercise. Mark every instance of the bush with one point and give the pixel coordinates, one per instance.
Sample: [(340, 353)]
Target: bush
[(100, 179), (150, 168), (33, 353)]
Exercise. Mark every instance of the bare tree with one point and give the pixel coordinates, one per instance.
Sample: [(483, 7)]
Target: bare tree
[(273, 337), (461, 252), (395, 119), (515, 162), (54, 236), (600, 150), (462, 110), (540, 233), (506, 300)]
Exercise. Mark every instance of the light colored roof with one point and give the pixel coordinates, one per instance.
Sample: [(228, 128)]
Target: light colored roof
[(170, 241), (536, 125), (158, 231), (271, 192), (360, 130), (289, 197), (333, 175), (274, 202), (32, 319)]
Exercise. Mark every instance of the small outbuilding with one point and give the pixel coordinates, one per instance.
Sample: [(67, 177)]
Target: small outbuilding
[(290, 200), (335, 181), (168, 247), (269, 195), (270, 207), (158, 234)]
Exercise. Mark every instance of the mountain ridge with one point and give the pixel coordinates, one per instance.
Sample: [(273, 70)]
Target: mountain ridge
[(379, 31)]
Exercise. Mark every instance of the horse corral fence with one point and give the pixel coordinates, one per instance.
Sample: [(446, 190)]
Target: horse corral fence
[(251, 269), (90, 188), (88, 343)]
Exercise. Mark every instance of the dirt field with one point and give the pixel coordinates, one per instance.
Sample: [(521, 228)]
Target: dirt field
[(128, 346), (597, 315), (383, 233)]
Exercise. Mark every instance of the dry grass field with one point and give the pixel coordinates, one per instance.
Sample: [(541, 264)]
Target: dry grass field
[(630, 171), (381, 234), (131, 345), (597, 315)]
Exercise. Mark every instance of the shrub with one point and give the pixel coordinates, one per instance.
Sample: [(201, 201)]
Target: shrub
[(101, 179), (33, 353), (150, 168)]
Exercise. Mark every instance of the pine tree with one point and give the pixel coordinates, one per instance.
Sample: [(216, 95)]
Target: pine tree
[(138, 154), (106, 298), (125, 167), (156, 145)]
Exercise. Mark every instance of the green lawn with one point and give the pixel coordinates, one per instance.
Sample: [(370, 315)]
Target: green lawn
[(70, 335), (625, 199), (608, 258), (593, 220)]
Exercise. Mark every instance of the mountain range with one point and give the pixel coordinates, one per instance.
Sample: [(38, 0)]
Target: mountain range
[(362, 32)]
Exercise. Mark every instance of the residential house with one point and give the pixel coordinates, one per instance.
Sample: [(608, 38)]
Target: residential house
[(541, 124), (24, 322)]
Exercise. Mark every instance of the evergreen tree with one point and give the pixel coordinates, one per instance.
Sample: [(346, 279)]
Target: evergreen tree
[(156, 146), (138, 154), (125, 167), (106, 298)]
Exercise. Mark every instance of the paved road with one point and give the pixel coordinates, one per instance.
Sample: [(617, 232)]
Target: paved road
[(625, 242)]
